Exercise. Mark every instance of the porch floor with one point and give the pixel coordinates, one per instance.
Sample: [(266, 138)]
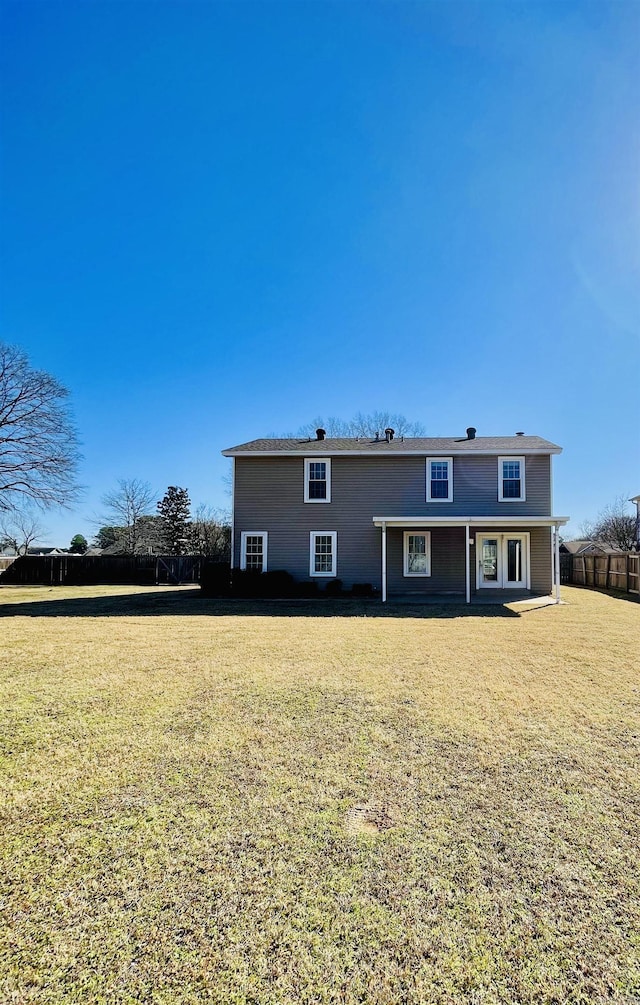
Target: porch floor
[(492, 597)]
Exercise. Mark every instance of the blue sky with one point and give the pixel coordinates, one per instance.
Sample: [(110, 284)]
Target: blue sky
[(220, 220)]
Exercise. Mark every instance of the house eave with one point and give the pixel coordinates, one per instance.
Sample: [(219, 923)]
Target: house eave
[(301, 452), (470, 521)]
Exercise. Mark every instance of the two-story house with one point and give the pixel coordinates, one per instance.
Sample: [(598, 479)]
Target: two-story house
[(420, 515)]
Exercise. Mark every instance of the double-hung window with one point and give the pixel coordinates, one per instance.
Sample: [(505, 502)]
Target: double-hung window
[(317, 479), (323, 553), (511, 486), (417, 553), (253, 550), (439, 479)]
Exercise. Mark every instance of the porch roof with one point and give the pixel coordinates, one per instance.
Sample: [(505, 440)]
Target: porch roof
[(470, 521)]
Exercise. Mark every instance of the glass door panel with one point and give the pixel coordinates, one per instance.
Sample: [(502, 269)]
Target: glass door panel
[(514, 570), (502, 561), (489, 561)]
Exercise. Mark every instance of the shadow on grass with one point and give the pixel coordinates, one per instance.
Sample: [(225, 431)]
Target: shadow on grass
[(190, 603), (614, 594)]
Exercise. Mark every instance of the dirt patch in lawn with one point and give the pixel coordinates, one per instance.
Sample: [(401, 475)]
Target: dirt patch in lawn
[(368, 819)]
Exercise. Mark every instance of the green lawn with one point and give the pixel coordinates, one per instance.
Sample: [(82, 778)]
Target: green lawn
[(228, 802)]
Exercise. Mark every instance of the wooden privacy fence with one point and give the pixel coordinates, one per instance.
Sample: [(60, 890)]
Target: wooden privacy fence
[(89, 570), (606, 572), (178, 568)]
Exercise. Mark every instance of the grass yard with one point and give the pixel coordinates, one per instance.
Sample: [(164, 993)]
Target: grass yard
[(260, 804)]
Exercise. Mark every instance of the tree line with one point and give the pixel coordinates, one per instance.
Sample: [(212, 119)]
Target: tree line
[(130, 528), (614, 526), (39, 459)]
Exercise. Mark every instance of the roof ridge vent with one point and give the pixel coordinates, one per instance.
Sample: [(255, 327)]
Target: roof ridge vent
[(519, 434)]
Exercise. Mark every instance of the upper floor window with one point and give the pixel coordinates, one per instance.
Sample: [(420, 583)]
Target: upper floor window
[(317, 479), (511, 486), (439, 479)]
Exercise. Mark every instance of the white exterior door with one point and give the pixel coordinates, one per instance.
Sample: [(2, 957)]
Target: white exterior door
[(502, 561)]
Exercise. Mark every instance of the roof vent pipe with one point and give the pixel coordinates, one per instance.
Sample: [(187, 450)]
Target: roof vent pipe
[(471, 433), (389, 433), (320, 434)]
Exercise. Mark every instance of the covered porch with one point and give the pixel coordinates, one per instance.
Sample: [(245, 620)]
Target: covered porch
[(485, 559)]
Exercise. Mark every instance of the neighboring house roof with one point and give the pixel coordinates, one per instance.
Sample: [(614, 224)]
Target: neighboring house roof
[(590, 547), (113, 549), (37, 550), (352, 445)]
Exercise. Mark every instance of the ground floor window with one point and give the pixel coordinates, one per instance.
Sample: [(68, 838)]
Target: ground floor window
[(323, 557), (417, 553), (253, 550)]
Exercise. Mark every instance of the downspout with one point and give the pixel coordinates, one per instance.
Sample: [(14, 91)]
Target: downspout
[(384, 562), (467, 563)]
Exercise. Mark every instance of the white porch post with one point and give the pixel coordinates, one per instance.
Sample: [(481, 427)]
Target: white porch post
[(384, 563), (557, 560), (467, 563)]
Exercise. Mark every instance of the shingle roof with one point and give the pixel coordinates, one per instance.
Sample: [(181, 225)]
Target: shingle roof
[(399, 445), (582, 547)]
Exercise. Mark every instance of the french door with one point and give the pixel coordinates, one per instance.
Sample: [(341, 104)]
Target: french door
[(502, 561)]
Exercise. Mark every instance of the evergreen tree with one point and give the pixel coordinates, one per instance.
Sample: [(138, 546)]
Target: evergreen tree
[(106, 537), (175, 512), (78, 544)]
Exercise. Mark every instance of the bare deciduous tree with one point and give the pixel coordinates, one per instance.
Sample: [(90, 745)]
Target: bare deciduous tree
[(38, 443), (613, 526), (210, 533), (125, 507), (19, 528), (364, 425)]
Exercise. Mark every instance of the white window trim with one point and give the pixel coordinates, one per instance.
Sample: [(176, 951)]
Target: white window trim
[(440, 460), (243, 547), (317, 460), (405, 553), (333, 534), (523, 488)]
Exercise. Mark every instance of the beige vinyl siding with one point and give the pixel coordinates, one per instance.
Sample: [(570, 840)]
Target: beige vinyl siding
[(447, 562), (541, 574), (269, 495)]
